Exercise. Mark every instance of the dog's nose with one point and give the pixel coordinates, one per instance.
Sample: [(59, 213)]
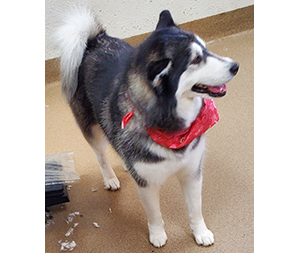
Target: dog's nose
[(234, 68)]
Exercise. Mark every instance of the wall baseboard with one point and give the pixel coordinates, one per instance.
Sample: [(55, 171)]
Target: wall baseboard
[(209, 28)]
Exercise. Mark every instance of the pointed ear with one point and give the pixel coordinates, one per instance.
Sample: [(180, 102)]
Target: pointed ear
[(165, 20), (157, 69)]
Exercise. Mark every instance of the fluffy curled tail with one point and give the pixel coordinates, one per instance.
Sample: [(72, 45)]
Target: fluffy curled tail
[(71, 38)]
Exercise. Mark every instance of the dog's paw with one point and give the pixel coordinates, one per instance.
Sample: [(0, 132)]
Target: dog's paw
[(205, 238), (112, 184), (158, 236), (158, 239)]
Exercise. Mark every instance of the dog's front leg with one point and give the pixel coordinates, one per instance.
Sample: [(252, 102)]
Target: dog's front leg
[(150, 199), (192, 187)]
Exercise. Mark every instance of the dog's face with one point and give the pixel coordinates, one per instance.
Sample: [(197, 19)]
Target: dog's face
[(172, 70), (206, 74), (179, 63)]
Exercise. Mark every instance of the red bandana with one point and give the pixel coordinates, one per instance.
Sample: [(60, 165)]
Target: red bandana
[(207, 117)]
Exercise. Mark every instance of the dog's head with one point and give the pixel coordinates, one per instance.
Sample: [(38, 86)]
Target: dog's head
[(178, 66), (171, 51)]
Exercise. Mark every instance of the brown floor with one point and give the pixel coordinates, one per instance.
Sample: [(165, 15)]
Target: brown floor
[(228, 178)]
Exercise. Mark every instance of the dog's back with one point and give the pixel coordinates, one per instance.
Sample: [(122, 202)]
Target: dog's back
[(90, 61)]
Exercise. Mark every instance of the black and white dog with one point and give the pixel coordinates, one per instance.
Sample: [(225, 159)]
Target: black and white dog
[(152, 103)]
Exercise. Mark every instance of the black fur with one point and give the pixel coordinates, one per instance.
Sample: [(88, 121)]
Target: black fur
[(156, 67), (165, 20), (162, 42)]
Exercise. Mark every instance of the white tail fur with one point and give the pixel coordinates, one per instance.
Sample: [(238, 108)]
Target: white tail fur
[(71, 39)]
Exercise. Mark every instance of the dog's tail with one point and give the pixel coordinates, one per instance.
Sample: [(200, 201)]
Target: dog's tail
[(71, 38)]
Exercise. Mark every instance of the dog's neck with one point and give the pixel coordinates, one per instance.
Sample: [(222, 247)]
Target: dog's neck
[(207, 117), (188, 109), (152, 111)]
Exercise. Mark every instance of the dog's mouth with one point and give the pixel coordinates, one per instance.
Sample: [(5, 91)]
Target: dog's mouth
[(213, 91)]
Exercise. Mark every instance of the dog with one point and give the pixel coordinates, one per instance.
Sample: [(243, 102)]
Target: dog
[(152, 103)]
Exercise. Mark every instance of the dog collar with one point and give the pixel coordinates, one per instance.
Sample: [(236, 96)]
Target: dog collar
[(207, 117)]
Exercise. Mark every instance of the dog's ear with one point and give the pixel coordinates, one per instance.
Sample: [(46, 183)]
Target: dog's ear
[(165, 20), (157, 69)]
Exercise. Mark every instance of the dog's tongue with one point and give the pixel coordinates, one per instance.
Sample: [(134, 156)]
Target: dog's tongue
[(217, 89)]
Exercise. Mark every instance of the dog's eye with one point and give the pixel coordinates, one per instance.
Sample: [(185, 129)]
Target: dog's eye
[(197, 60)]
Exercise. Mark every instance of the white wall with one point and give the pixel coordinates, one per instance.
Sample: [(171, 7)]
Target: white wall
[(126, 18)]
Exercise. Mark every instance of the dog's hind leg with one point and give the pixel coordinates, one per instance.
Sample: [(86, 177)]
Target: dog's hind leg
[(98, 142), (83, 113)]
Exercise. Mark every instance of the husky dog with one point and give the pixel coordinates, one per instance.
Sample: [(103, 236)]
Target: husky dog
[(145, 102)]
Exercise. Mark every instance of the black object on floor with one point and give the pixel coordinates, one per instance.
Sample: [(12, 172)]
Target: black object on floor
[(56, 194)]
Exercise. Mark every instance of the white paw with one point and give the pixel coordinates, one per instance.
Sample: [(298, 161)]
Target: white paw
[(205, 238), (112, 184), (158, 239)]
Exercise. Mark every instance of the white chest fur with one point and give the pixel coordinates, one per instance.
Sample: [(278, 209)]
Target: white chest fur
[(189, 161)]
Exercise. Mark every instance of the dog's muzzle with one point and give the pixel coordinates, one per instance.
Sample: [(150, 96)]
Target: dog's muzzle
[(215, 91)]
